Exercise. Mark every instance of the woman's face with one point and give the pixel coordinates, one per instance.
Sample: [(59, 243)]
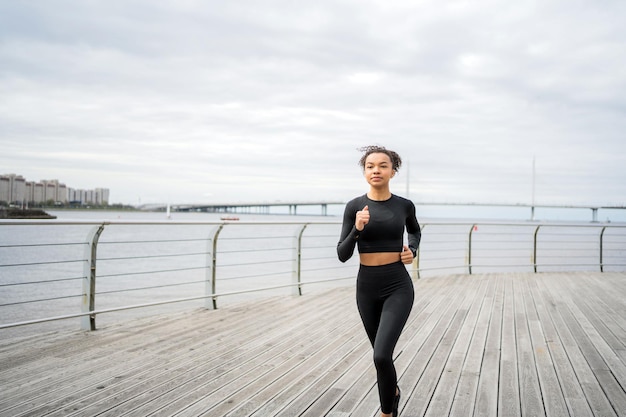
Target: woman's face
[(378, 170)]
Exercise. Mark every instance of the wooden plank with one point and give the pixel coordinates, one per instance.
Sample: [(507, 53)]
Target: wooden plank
[(465, 397), (315, 381), (602, 313), (435, 350), (608, 369), (487, 391), (247, 371), (573, 395), (99, 353), (585, 375), (447, 384), (201, 393), (124, 366), (509, 390), (325, 377), (309, 356), (551, 392), (530, 392)]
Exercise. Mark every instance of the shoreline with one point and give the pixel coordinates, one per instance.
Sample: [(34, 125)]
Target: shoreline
[(25, 214)]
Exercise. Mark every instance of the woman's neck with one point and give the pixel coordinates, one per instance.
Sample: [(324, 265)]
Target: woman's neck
[(379, 195)]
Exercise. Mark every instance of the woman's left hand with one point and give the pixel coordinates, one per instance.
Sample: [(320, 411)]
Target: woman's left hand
[(406, 256)]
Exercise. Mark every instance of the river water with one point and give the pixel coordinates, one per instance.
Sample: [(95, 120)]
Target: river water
[(42, 268)]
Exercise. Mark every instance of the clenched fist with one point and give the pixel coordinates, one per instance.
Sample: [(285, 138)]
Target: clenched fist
[(406, 256), (362, 218)]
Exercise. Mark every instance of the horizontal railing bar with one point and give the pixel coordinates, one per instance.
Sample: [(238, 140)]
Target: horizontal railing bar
[(178, 284), (425, 258), (329, 268), (453, 245), (595, 265), (508, 257), (257, 250), (129, 242), (318, 258), (270, 274), (317, 247), (69, 261), (164, 286), (14, 284), (543, 240), (436, 268), (156, 303), (34, 245), (502, 249), (40, 300), (255, 263), (557, 252), (171, 255), (529, 265), (158, 271), (323, 281), (255, 237)]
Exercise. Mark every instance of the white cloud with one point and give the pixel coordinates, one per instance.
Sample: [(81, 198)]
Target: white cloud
[(248, 100)]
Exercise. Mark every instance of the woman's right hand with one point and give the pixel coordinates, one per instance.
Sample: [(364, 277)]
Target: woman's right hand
[(362, 218)]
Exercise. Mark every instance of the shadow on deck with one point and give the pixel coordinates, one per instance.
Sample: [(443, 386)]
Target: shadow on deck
[(551, 344)]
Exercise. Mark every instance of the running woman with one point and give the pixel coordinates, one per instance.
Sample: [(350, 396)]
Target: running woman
[(375, 223)]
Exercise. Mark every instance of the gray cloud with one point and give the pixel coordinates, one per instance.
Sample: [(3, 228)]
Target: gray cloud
[(247, 100)]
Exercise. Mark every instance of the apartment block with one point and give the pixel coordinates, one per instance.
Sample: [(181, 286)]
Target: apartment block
[(98, 196), (14, 189)]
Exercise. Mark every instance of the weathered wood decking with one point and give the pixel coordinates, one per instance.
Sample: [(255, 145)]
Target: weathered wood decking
[(550, 344)]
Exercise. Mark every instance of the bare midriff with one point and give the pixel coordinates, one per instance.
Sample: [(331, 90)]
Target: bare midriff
[(378, 258)]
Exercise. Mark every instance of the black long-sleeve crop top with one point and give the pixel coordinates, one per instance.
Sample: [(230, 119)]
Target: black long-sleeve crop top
[(385, 230)]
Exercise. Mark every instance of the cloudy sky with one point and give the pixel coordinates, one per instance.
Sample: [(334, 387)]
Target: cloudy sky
[(248, 100)]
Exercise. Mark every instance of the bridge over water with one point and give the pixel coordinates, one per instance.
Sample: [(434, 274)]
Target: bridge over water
[(254, 208), (265, 207)]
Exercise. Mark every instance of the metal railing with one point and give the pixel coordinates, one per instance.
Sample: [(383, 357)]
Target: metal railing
[(114, 266), (521, 246)]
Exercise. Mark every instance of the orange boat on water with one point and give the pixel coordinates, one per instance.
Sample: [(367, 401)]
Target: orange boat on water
[(229, 218)]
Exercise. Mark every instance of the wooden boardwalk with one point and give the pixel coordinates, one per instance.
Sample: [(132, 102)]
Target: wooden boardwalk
[(551, 344)]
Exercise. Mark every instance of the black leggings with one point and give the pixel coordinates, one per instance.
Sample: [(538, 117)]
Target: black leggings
[(384, 296)]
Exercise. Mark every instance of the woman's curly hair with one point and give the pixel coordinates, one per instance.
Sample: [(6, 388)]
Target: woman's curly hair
[(396, 161)]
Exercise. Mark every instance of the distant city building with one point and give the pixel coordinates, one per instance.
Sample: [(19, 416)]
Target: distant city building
[(98, 196), (5, 186), (14, 189), (102, 196)]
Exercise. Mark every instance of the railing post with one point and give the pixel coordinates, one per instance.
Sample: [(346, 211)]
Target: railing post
[(602, 249), (210, 302), (469, 249), (297, 262), (88, 322), (535, 248), (416, 261)]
